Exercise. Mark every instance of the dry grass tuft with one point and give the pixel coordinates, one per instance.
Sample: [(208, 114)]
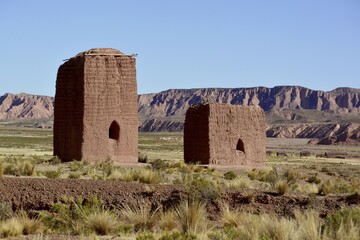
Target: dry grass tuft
[(168, 221), (101, 222), (11, 228), (309, 224), (149, 176), (141, 216), (192, 217), (282, 187)]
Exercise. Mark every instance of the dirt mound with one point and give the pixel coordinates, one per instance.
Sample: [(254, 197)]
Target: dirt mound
[(39, 194)]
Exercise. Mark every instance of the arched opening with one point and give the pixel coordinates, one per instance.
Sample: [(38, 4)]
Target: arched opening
[(114, 131), (240, 146)]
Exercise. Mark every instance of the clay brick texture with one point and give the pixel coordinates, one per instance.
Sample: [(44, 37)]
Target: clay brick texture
[(223, 134), (95, 115)]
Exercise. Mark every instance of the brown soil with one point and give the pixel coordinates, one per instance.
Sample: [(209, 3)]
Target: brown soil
[(39, 194)]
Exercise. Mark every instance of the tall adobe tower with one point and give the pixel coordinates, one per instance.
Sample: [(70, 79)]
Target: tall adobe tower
[(96, 107)]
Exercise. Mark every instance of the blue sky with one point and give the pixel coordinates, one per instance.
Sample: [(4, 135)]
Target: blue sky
[(187, 43)]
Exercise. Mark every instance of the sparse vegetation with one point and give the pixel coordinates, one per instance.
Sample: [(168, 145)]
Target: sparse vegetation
[(102, 222), (11, 228), (52, 173), (308, 176), (192, 217), (230, 175), (141, 216), (142, 158), (6, 211), (282, 187)]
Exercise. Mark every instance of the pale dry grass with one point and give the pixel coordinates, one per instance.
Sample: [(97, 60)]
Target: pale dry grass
[(192, 217), (11, 228), (102, 222), (141, 216)]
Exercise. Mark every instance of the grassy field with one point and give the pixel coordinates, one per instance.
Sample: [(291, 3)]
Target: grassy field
[(27, 152), (163, 145)]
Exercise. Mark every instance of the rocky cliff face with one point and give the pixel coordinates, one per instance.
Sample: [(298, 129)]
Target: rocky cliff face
[(25, 106)]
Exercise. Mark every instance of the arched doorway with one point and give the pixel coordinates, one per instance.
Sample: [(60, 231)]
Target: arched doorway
[(114, 131), (240, 146)]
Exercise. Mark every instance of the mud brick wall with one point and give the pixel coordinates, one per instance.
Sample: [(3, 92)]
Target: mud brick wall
[(235, 135), (196, 135), (107, 107), (69, 110)]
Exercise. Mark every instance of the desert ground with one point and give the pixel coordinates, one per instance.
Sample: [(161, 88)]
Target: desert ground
[(291, 197)]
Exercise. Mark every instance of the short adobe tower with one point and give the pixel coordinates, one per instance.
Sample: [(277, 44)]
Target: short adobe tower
[(223, 134), (95, 115)]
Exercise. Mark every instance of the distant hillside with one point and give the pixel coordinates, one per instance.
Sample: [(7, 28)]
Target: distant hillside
[(165, 111), (282, 104), (26, 106)]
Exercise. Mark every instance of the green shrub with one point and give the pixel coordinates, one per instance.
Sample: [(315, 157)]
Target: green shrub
[(71, 215), (145, 236), (313, 179), (28, 168), (1, 169), (264, 176), (334, 186), (102, 222), (38, 159), (126, 175), (230, 175), (239, 183), (74, 175), (344, 218), (75, 166), (252, 175), (19, 168), (291, 176), (205, 188), (52, 173), (142, 158), (270, 177), (159, 164), (325, 170), (55, 160), (149, 176), (124, 229), (6, 211), (107, 168), (177, 236)]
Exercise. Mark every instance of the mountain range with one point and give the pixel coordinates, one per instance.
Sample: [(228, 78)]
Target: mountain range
[(165, 111)]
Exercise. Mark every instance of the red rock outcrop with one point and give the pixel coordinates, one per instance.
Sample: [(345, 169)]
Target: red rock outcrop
[(95, 116), (224, 134)]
